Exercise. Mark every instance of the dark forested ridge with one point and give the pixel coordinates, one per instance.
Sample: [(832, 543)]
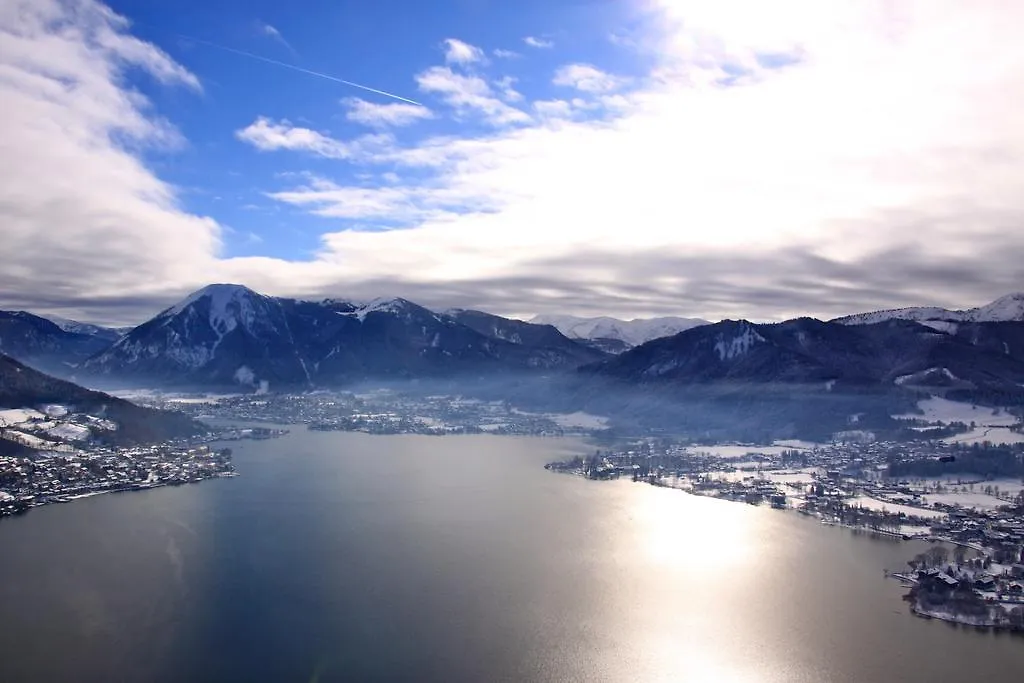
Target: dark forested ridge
[(889, 355), (22, 387)]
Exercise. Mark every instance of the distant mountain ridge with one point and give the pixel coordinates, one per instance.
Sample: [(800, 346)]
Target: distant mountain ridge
[(44, 344), (229, 335), (1009, 308), (883, 355), (630, 332), (88, 329)]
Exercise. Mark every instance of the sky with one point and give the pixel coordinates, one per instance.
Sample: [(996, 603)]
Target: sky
[(705, 158)]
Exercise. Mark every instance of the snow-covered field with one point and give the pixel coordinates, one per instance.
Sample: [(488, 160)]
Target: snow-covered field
[(797, 444), (944, 411), (738, 451), (981, 501), (580, 420), (994, 435), (799, 477), (31, 440), (1008, 485), (15, 416), (875, 504), (69, 431), (577, 420)]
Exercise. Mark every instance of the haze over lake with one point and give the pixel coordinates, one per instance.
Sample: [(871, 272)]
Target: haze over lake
[(341, 556)]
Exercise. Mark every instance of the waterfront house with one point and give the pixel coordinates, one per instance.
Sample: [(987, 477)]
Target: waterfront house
[(985, 582)]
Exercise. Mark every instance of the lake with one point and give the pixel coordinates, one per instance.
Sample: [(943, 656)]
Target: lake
[(338, 556)]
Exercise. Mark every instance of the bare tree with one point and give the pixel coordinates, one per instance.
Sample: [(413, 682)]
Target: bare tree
[(938, 555)]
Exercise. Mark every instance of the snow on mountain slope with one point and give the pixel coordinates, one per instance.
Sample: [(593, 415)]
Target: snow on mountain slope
[(88, 329), (210, 335), (730, 348), (392, 306), (228, 335), (633, 332), (229, 306), (1003, 309)]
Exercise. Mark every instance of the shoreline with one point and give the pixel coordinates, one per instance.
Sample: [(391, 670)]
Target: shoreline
[(907, 579), (22, 507)]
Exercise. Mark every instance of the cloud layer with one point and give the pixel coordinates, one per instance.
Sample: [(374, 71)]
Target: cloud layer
[(763, 164)]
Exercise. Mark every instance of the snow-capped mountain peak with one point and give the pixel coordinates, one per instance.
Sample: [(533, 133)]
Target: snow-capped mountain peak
[(1004, 309), (1009, 307), (229, 306), (381, 305), (632, 332)]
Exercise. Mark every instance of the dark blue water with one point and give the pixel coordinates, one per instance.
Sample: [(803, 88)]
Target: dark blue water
[(352, 557)]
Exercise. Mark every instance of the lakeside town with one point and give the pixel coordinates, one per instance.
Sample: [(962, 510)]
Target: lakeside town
[(380, 411), (55, 457)]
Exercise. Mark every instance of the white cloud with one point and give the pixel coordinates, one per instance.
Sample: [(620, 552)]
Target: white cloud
[(80, 211), (382, 115), (553, 108), (801, 157), (505, 54), (540, 43), (505, 85), (587, 78), (267, 135), (821, 173), (268, 30), (469, 94), (459, 52), (274, 34)]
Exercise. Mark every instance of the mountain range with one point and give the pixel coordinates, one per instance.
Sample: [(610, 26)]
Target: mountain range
[(44, 344), (229, 336), (1009, 308), (831, 356)]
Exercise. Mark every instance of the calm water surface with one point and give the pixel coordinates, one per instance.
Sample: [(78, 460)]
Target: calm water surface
[(406, 558)]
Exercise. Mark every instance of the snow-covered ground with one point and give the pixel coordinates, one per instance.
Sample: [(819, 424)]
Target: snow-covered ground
[(798, 477), (16, 416), (1013, 486), (944, 411), (875, 504), (69, 432), (981, 501), (31, 440), (580, 420), (996, 435), (738, 451), (797, 444), (577, 420)]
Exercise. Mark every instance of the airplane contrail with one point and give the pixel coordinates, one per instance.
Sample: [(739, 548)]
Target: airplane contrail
[(309, 72)]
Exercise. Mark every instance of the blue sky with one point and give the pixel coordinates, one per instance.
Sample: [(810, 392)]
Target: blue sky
[(378, 44), (702, 158)]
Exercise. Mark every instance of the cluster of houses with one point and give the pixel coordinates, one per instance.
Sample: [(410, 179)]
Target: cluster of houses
[(54, 477)]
